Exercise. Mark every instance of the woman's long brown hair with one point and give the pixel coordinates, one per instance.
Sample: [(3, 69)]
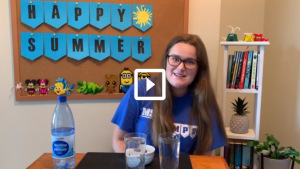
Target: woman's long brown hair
[(204, 99)]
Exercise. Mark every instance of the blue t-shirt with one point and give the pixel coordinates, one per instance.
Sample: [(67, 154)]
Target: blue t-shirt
[(136, 116)]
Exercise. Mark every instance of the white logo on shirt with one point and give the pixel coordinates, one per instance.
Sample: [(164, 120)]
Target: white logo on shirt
[(183, 129), (147, 113)]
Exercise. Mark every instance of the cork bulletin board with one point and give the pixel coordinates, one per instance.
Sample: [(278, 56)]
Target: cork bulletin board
[(170, 18)]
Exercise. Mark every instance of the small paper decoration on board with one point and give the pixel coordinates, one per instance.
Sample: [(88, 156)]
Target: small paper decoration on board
[(121, 16), (143, 76), (142, 17), (141, 48), (100, 14), (232, 36), (19, 86), (56, 13), (90, 87), (110, 83), (55, 45), (99, 46), (32, 13), (43, 90), (120, 47), (126, 79), (78, 14), (30, 87), (62, 87), (78, 46), (32, 45)]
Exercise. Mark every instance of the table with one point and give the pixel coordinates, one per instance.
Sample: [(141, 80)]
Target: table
[(198, 162)]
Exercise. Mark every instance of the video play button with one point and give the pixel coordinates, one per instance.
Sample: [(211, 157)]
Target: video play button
[(149, 84)]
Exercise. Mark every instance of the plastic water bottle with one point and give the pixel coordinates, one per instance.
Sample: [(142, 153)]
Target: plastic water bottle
[(63, 135)]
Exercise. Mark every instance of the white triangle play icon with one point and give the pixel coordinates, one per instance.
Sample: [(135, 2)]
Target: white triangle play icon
[(149, 84)]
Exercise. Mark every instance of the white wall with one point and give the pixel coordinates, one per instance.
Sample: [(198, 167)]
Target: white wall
[(25, 126), (281, 85)]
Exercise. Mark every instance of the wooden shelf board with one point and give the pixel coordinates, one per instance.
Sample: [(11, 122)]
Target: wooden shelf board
[(242, 43), (248, 136)]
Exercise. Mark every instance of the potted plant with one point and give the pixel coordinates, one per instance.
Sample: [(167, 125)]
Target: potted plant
[(239, 122), (275, 157)]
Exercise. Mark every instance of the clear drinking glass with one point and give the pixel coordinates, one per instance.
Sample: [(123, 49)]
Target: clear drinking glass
[(169, 147), (135, 146)]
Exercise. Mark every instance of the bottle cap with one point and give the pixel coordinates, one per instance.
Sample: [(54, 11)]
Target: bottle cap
[(62, 98)]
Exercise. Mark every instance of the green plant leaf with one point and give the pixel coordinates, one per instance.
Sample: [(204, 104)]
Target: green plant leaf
[(258, 150), (281, 148), (289, 152), (273, 156), (291, 148), (252, 143), (295, 159)]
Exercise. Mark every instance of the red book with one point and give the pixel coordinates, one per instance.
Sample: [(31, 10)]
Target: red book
[(243, 70)]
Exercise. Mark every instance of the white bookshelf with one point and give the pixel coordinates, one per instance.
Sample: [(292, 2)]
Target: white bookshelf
[(253, 133)]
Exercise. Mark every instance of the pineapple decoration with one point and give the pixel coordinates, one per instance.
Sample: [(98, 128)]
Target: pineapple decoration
[(239, 122)]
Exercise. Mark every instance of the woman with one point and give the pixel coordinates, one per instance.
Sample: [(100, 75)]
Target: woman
[(190, 108)]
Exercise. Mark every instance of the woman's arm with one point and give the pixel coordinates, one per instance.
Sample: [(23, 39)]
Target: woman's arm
[(118, 140)]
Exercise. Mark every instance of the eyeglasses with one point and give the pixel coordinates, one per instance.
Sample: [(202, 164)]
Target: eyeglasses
[(174, 60)]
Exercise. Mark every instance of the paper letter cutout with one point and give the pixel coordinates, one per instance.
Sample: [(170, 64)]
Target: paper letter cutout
[(32, 45), (78, 46), (55, 45), (32, 14), (78, 14), (99, 46), (142, 16), (120, 47), (141, 48), (121, 16), (100, 14), (56, 13)]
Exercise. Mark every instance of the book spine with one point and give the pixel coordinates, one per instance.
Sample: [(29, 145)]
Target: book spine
[(253, 77), (248, 70), (238, 156), (243, 70), (229, 70), (234, 71), (238, 76), (257, 71), (231, 156), (226, 154)]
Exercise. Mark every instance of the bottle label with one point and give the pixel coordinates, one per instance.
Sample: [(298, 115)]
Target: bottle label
[(63, 147)]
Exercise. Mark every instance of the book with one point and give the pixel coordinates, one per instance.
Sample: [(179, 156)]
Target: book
[(257, 71), (248, 70), (253, 73), (239, 68), (230, 60), (235, 70), (243, 70), (226, 154), (231, 155), (238, 156), (246, 155)]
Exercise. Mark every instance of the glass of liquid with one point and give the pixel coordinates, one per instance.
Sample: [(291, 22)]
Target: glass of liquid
[(135, 146), (169, 148)]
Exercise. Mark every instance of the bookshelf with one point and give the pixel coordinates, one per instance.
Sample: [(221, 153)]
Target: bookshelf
[(253, 133)]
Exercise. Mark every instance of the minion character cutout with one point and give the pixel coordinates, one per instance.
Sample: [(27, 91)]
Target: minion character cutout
[(143, 75), (126, 80)]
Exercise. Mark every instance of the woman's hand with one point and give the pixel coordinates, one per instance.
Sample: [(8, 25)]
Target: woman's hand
[(118, 140)]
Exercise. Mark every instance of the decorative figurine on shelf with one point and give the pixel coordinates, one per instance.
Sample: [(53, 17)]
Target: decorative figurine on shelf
[(249, 37), (143, 75), (265, 39), (90, 87), (62, 87), (30, 87), (232, 36), (258, 37), (239, 122), (110, 83), (43, 87), (126, 80)]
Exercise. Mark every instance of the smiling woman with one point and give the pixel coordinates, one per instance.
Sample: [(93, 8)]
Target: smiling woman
[(190, 108)]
